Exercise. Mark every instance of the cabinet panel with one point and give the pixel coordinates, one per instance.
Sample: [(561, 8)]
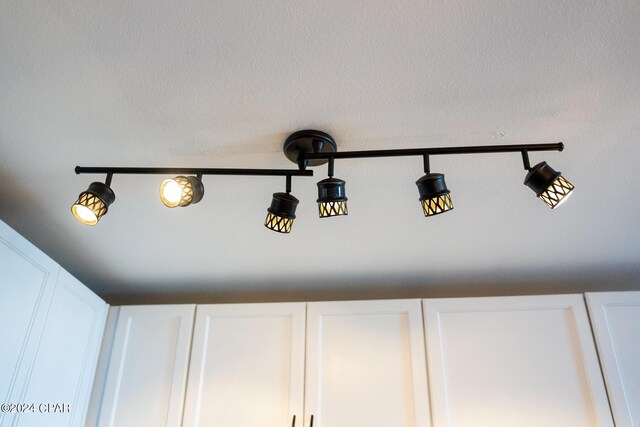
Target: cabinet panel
[(102, 367), (147, 370), (247, 366), (513, 361), (27, 282), (366, 365), (616, 325), (64, 366)]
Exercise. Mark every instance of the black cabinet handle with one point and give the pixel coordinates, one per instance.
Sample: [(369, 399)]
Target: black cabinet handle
[(293, 423), (311, 423)]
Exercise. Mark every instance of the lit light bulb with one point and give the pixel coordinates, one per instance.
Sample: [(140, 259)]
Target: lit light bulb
[(84, 214), (181, 191), (170, 193), (93, 203)]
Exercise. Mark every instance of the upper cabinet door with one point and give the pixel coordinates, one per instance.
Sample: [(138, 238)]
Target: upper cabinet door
[(616, 324), (513, 361), (366, 365), (64, 366), (147, 371), (27, 282), (247, 366)]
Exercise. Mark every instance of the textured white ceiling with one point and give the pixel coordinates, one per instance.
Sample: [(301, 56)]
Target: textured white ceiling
[(222, 83)]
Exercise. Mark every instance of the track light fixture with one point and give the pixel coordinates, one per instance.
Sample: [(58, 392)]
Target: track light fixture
[(549, 185), (282, 212), (312, 148), (434, 195), (332, 200), (93, 203), (181, 191)]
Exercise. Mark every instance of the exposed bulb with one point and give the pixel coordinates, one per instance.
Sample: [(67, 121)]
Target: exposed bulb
[(170, 193), (84, 214)]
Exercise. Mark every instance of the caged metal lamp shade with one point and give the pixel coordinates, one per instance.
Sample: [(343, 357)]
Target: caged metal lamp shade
[(281, 213), (181, 191), (93, 203), (331, 198), (549, 185), (434, 195)]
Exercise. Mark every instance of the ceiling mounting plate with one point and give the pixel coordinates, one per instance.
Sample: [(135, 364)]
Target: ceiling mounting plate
[(309, 141)]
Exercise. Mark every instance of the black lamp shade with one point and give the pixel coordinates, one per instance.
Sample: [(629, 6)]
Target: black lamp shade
[(434, 195), (93, 203), (281, 213), (181, 191), (331, 198), (548, 184)]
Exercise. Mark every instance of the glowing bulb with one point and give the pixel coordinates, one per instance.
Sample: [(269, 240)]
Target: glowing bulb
[(93, 203), (564, 199), (181, 191), (170, 193), (84, 214)]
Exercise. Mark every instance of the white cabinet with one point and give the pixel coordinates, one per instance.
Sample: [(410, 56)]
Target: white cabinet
[(509, 361), (616, 324), (366, 365), (498, 362), (52, 327), (147, 367), (247, 366), (64, 366), (28, 278), (513, 361)]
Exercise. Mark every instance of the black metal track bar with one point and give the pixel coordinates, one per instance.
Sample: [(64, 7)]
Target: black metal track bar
[(192, 171), (478, 149)]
